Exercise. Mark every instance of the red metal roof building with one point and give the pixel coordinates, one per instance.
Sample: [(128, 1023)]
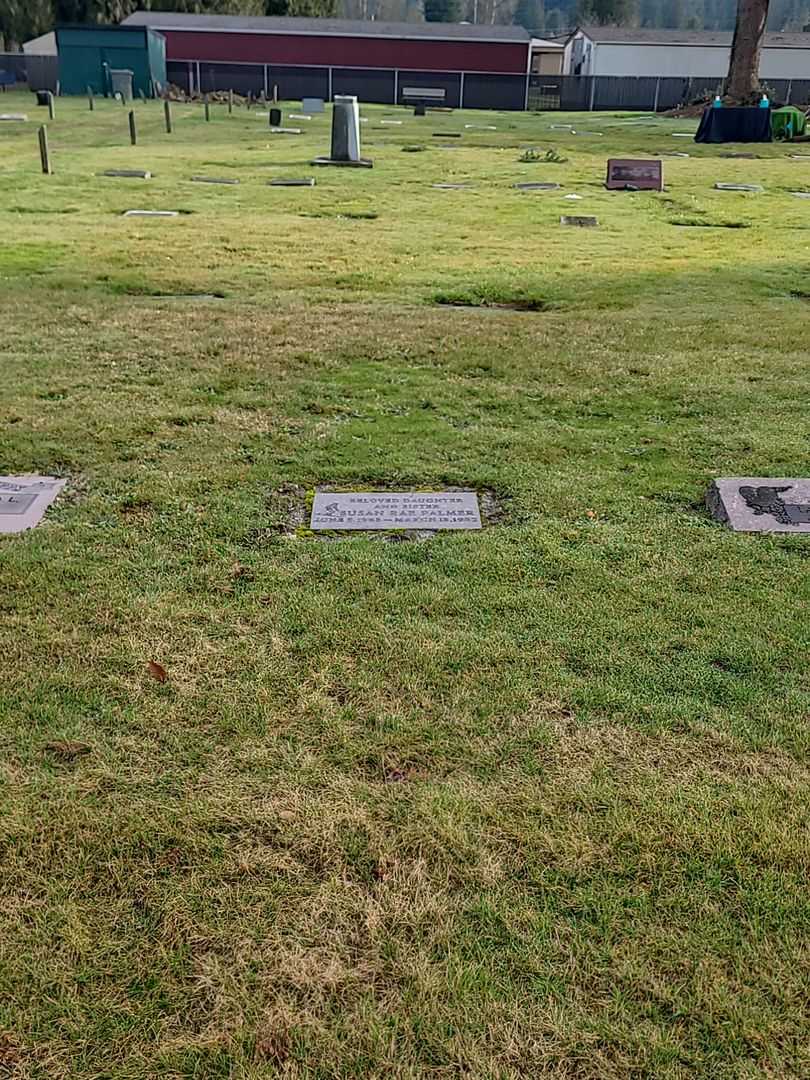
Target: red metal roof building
[(476, 66)]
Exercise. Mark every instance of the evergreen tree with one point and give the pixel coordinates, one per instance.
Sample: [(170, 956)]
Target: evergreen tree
[(442, 10)]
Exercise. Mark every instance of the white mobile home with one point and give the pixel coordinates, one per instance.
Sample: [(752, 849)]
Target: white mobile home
[(612, 50)]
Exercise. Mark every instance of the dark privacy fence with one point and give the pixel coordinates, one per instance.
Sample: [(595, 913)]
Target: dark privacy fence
[(36, 72), (383, 86), (578, 93), (568, 93)]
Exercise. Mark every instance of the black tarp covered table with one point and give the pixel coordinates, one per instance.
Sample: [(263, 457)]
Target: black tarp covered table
[(735, 125)]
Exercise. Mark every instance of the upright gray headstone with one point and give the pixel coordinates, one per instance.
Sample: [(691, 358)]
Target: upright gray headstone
[(345, 129), (312, 105), (345, 134), (761, 503)]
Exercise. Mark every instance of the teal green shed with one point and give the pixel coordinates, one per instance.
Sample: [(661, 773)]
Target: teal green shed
[(87, 55)]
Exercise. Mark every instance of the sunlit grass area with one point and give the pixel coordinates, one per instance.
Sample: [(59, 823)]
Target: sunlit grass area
[(524, 802)]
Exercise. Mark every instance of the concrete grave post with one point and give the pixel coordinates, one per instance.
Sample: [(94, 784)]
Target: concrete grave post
[(345, 134), (345, 129)]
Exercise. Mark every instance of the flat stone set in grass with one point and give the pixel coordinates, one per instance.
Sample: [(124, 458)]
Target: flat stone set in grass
[(395, 510), (24, 500), (761, 503)]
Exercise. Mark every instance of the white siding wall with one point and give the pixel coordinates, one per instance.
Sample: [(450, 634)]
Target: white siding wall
[(659, 60), (681, 60)]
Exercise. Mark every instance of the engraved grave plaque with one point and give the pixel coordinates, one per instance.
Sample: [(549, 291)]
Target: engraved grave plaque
[(24, 500), (761, 503), (396, 510), (625, 174)]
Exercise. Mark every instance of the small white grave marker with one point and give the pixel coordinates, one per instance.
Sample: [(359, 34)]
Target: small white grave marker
[(151, 213)]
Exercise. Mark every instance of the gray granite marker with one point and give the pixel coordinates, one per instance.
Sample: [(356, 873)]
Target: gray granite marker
[(739, 187), (761, 503), (211, 180), (19, 117), (24, 500), (396, 510), (584, 222), (151, 213), (138, 174), (536, 186), (312, 105), (304, 181), (345, 135)]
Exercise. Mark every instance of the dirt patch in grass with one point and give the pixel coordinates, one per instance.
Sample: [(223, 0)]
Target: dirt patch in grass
[(349, 215), (698, 223), (158, 292), (492, 297)]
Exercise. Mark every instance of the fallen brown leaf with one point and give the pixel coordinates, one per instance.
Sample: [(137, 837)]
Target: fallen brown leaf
[(157, 671)]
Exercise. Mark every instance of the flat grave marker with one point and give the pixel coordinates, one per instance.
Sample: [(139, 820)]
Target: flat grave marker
[(453, 187), (582, 222), (536, 185), (133, 174), (299, 116), (303, 181), (14, 117), (285, 131), (212, 180), (801, 194), (628, 174), (151, 213), (24, 500), (739, 187), (395, 510), (761, 503), (446, 134)]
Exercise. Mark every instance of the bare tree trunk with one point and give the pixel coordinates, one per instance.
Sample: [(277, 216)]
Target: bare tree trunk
[(742, 82)]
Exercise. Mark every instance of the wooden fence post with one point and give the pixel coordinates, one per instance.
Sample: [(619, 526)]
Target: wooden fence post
[(44, 152)]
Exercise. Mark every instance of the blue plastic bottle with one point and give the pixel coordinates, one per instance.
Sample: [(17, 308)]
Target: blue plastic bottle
[(764, 104), (718, 102)]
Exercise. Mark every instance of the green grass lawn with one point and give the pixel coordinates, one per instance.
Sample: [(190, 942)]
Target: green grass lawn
[(529, 802)]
